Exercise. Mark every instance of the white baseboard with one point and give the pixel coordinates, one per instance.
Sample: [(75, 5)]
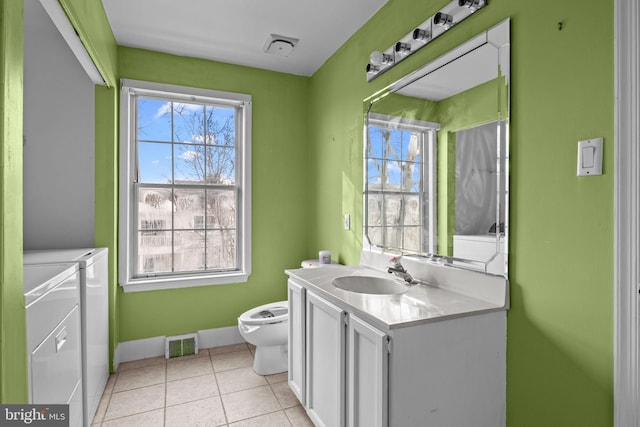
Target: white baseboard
[(128, 351), (220, 336)]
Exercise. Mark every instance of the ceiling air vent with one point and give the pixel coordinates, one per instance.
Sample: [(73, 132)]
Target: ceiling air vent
[(280, 45)]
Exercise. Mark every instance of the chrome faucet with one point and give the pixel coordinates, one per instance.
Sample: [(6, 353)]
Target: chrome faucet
[(395, 267)]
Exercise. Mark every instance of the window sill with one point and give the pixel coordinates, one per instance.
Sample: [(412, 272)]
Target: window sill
[(157, 284)]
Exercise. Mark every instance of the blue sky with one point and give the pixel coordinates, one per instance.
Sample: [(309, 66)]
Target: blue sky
[(155, 157), (400, 140)]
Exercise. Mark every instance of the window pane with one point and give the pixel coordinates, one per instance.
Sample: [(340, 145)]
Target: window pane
[(374, 209), (408, 172), (189, 209), (377, 138), (189, 251), (220, 165), (373, 171), (221, 209), (412, 239), (221, 249), (394, 237), (221, 126), (412, 211), (376, 235), (188, 123), (154, 162), (154, 209), (154, 120), (393, 175), (190, 163), (415, 148), (392, 209), (154, 252), (416, 179), (396, 144)]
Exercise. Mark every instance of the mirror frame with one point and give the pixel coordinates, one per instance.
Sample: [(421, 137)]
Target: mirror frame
[(499, 37)]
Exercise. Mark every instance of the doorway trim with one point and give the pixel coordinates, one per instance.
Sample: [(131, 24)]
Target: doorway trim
[(626, 212)]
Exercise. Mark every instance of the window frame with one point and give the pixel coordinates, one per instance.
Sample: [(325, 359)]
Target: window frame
[(428, 140), (130, 89)]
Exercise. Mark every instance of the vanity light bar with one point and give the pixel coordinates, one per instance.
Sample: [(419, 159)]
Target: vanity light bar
[(445, 19)]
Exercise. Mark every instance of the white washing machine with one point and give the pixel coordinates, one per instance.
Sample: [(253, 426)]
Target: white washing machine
[(94, 315), (52, 297)]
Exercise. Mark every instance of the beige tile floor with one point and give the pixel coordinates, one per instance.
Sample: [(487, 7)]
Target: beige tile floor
[(216, 387)]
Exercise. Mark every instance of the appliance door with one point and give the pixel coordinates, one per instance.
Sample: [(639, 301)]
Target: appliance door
[(55, 363)]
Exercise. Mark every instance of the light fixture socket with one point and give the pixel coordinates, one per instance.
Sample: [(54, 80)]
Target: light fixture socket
[(403, 48), (373, 69), (422, 35), (470, 4), (443, 19), (380, 58)]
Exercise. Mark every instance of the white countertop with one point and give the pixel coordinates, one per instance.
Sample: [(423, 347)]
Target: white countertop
[(420, 304)]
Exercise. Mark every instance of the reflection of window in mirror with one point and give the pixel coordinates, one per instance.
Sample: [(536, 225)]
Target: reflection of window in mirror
[(400, 173)]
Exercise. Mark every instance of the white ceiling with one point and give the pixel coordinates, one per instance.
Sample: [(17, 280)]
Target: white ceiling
[(235, 31)]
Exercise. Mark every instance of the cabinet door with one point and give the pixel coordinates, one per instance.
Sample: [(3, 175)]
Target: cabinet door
[(367, 375), (325, 362), (296, 374)]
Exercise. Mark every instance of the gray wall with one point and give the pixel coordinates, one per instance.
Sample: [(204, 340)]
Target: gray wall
[(58, 139)]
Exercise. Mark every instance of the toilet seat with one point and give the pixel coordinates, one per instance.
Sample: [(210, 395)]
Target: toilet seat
[(275, 312)]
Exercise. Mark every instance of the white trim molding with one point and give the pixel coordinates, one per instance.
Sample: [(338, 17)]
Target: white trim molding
[(626, 211), (129, 351)]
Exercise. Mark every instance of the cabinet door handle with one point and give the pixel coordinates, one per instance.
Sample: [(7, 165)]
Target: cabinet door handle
[(61, 338)]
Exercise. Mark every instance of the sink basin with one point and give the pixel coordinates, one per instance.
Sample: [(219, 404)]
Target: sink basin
[(369, 285)]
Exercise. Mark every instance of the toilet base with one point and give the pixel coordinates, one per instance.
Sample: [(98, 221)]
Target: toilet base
[(270, 360)]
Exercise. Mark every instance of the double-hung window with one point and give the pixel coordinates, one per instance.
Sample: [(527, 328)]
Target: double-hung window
[(400, 191), (184, 187)]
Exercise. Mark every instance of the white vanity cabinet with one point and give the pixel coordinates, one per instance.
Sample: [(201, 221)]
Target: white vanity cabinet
[(359, 373), (297, 362), (325, 361), (367, 374), (338, 363)]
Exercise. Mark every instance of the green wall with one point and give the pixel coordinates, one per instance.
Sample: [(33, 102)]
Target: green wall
[(279, 201), (307, 173), (13, 341), (560, 326), (90, 21)]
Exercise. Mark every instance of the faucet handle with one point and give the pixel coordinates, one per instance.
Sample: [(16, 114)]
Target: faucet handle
[(394, 261)]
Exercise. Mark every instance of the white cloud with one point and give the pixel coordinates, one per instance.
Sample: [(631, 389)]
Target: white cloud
[(393, 166), (188, 155), (166, 108)]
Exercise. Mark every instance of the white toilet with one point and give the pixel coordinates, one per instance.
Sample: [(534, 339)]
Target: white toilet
[(266, 327)]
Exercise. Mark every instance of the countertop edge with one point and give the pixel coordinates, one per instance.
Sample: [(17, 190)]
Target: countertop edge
[(377, 321)]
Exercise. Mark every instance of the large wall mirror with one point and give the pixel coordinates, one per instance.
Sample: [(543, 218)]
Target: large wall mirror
[(436, 158)]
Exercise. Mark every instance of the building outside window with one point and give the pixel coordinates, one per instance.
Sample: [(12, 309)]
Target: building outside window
[(185, 156)]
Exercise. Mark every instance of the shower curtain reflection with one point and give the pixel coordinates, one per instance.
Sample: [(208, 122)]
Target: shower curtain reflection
[(477, 177)]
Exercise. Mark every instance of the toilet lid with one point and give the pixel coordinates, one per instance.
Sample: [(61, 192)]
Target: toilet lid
[(266, 314)]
